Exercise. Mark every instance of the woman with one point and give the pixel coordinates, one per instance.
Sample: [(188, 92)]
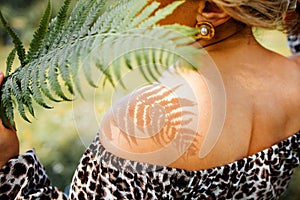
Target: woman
[(253, 157)]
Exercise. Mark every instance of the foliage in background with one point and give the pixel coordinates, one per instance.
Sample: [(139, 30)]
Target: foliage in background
[(59, 153), (24, 17)]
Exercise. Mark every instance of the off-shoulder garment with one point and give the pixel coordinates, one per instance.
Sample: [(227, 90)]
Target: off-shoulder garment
[(102, 175), (294, 43)]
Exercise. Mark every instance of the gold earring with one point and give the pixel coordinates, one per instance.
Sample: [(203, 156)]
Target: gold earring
[(206, 31)]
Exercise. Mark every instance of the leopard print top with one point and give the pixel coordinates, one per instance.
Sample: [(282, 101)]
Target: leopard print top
[(294, 43), (102, 175)]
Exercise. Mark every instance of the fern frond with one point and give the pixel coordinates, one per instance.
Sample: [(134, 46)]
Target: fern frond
[(141, 67), (55, 28), (88, 72), (54, 83), (91, 17), (16, 40), (22, 96), (9, 62), (26, 95), (144, 15), (66, 76), (36, 92), (74, 72), (117, 72), (155, 63), (123, 37), (149, 64), (61, 17), (45, 88), (107, 73), (39, 35), (7, 114), (26, 92), (74, 24), (160, 14)]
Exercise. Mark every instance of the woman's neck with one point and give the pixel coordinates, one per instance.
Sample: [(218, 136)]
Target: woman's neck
[(229, 34)]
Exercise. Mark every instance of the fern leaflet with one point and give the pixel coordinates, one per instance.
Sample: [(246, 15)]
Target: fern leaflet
[(16, 40), (39, 34)]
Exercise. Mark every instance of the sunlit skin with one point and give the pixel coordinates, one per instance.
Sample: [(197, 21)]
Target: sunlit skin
[(263, 98), (181, 111), (184, 14), (296, 58)]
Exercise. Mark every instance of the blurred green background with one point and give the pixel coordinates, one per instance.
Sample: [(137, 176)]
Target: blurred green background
[(61, 135)]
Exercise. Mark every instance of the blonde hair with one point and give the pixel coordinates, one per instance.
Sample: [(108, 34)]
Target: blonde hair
[(270, 14)]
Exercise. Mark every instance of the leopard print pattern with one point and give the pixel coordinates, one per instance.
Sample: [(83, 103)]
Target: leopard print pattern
[(265, 175), (294, 43), (102, 175), (24, 177)]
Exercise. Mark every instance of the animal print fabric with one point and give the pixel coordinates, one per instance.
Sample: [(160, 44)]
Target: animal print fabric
[(24, 178), (102, 175), (294, 43)]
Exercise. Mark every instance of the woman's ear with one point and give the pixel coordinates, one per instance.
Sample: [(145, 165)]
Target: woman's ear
[(209, 11)]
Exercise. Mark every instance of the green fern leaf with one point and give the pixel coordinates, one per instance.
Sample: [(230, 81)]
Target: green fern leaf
[(155, 62), (122, 37), (87, 60), (66, 76), (74, 71), (15, 88), (39, 35), (16, 40), (144, 15), (117, 71), (26, 92), (74, 25), (5, 119), (41, 78), (149, 64), (160, 14), (37, 94), (126, 11), (130, 15), (60, 20), (91, 17), (127, 58), (54, 83), (107, 73), (9, 61), (7, 108), (55, 27), (138, 58)]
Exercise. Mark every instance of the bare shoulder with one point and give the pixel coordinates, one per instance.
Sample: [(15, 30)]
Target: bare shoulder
[(291, 80), (157, 119), (289, 88), (296, 58), (289, 70)]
